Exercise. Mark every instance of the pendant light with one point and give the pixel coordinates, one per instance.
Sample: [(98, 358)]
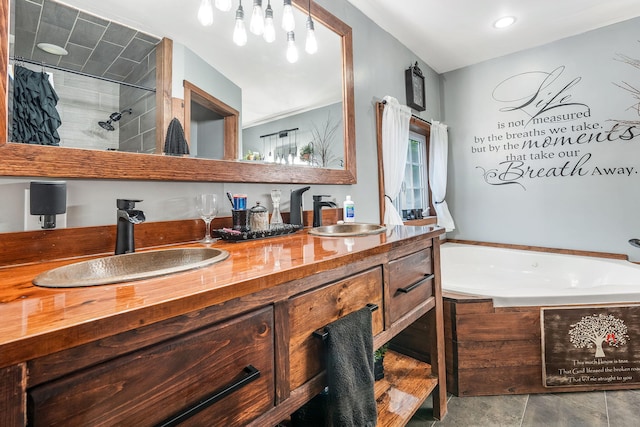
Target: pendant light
[(205, 13), (269, 34), (239, 31), (311, 45), (223, 5), (292, 50), (256, 26), (288, 22)]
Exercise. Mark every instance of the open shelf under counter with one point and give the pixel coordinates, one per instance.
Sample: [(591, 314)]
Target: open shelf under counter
[(406, 385)]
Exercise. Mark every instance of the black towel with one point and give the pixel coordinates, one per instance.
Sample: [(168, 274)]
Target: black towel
[(349, 348), (175, 143)]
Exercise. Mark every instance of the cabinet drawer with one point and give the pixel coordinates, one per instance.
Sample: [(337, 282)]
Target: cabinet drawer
[(410, 282), (151, 385), (319, 307)]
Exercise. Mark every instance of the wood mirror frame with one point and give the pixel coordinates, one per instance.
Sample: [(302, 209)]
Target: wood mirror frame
[(59, 162)]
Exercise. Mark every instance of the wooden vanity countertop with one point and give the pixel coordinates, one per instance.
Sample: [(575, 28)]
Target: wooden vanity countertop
[(36, 321)]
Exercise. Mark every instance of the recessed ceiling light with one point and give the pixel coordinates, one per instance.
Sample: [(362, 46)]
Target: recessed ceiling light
[(53, 49), (504, 22)]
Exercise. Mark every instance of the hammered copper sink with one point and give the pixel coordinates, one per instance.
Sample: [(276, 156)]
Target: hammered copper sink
[(347, 230), (129, 267)]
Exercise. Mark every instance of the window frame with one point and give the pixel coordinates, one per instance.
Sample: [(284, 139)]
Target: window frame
[(421, 161), (416, 125)]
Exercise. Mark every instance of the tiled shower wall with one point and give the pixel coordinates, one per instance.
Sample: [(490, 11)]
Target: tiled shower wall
[(138, 129)]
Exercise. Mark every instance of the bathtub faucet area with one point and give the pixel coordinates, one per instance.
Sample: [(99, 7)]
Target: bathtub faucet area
[(635, 242), (127, 216)]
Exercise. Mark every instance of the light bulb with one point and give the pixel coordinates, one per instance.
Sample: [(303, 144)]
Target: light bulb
[(239, 32), (256, 26), (205, 13), (311, 45), (269, 29), (223, 5), (288, 23), (292, 50)]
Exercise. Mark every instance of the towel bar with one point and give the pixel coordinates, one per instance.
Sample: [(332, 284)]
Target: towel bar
[(322, 333)]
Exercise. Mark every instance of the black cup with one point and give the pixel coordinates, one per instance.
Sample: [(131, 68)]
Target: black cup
[(240, 218)]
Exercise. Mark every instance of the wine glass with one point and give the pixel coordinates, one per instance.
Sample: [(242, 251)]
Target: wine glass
[(207, 208)]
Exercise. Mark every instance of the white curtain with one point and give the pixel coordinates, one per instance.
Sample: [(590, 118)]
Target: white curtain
[(395, 143), (438, 148)]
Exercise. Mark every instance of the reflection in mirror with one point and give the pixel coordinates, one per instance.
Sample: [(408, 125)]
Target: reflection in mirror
[(33, 160), (312, 138), (269, 91), (101, 73), (211, 125)]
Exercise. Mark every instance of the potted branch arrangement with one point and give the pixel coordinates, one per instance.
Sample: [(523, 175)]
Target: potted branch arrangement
[(323, 138)]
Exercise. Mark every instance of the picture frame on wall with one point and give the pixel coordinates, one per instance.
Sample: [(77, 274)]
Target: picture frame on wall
[(414, 86)]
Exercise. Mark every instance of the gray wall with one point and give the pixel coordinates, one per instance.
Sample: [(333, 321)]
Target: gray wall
[(207, 138), (379, 64), (525, 164), (190, 67)]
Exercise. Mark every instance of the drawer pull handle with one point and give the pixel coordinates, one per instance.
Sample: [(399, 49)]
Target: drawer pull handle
[(409, 288), (248, 375), (323, 334)]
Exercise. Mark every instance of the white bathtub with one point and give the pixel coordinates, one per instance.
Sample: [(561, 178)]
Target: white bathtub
[(529, 278)]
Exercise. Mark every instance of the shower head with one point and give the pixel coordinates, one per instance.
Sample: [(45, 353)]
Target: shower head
[(114, 117), (107, 125), (635, 242)]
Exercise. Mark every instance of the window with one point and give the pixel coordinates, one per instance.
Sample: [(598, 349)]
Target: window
[(413, 198)]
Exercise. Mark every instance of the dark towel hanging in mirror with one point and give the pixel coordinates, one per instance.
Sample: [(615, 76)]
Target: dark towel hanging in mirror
[(175, 143), (35, 119)]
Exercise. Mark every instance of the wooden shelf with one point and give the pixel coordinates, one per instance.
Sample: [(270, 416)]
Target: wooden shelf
[(406, 384)]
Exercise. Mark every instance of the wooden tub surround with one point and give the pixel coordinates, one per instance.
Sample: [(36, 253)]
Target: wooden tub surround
[(237, 334), (497, 350)]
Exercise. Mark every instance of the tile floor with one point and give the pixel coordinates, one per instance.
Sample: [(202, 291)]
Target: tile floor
[(585, 409)]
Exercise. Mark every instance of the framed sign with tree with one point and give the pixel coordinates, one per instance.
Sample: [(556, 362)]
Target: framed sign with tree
[(414, 86)]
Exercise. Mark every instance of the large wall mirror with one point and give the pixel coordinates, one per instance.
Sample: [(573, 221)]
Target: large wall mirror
[(123, 136)]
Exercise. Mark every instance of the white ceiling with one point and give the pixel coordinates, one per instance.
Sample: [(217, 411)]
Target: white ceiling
[(450, 34)]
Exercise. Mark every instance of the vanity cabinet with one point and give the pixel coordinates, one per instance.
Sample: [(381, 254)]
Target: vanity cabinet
[(317, 308), (230, 363), (411, 280), (412, 294), (233, 344)]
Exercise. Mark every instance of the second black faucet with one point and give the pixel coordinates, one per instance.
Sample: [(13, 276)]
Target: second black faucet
[(318, 204)]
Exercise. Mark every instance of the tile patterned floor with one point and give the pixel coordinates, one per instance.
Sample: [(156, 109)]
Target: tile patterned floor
[(586, 409)]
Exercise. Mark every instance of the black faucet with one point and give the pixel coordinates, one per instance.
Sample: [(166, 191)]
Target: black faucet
[(127, 217), (295, 206), (318, 203)]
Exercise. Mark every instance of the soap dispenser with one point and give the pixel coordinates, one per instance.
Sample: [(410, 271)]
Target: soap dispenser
[(295, 209)]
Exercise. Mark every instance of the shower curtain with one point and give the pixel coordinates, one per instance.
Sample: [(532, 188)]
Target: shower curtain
[(35, 119), (438, 148), (395, 143)]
